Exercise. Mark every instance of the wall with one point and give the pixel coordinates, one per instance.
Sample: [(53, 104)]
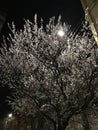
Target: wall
[(91, 13)]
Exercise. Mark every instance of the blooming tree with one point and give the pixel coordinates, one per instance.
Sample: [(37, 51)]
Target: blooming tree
[(54, 75)]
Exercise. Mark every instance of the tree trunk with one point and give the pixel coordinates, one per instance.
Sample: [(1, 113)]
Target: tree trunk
[(62, 125), (31, 122), (21, 121), (61, 128), (85, 121)]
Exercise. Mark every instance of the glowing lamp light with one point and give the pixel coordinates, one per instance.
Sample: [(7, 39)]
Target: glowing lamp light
[(60, 33), (10, 115)]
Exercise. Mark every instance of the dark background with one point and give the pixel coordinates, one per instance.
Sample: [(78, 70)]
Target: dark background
[(18, 10)]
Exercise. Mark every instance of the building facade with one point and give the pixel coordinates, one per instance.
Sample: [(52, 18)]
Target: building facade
[(91, 14)]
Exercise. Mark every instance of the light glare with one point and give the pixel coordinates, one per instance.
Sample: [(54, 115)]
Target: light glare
[(10, 115), (61, 33)]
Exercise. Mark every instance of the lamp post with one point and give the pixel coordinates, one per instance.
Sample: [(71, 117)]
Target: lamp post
[(8, 120)]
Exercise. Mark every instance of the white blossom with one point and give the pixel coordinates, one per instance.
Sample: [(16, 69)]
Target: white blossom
[(50, 74)]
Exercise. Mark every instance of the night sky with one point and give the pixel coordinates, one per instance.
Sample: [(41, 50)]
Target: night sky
[(18, 10)]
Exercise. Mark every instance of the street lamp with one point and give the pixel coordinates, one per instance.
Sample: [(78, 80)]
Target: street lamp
[(60, 33), (8, 120), (10, 115)]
